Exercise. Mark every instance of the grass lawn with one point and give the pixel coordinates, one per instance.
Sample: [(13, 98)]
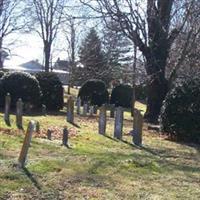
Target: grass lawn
[(96, 167)]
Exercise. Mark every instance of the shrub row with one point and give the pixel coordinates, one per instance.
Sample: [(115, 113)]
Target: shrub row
[(44, 88)]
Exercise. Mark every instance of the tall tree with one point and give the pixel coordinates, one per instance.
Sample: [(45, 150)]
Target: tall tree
[(10, 22), (92, 58), (147, 25), (47, 17)]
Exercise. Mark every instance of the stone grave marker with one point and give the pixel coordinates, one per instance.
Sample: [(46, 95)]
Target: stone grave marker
[(65, 137), (78, 106), (119, 117), (137, 128), (26, 144), (70, 110), (102, 120), (7, 109), (19, 114)]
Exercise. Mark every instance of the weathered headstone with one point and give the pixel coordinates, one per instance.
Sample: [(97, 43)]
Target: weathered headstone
[(137, 128), (19, 114), (102, 120), (37, 127), (65, 137), (112, 111), (85, 109), (44, 110), (91, 111), (49, 132), (70, 110), (78, 106), (26, 144), (119, 116), (7, 109)]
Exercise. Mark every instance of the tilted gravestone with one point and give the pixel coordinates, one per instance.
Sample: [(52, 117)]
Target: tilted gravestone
[(112, 111), (85, 109), (19, 114), (7, 109), (102, 120), (119, 117), (78, 106), (65, 137), (26, 144), (137, 128), (70, 110)]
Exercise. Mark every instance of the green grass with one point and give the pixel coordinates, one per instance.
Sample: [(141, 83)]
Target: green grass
[(97, 167)]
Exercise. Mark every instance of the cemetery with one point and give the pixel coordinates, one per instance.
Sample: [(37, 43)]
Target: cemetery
[(99, 100), (49, 154)]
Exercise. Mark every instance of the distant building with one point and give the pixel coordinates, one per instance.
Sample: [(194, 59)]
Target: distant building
[(34, 67), (62, 65)]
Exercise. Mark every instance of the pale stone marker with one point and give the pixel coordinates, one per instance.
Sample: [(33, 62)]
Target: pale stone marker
[(85, 109), (102, 120), (78, 106), (70, 110), (65, 137), (7, 109), (137, 128), (19, 114), (119, 116), (26, 144)]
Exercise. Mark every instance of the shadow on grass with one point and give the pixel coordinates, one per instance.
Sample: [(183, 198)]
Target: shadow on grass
[(74, 124), (32, 179)]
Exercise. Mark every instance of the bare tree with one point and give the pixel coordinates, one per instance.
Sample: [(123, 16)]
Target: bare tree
[(148, 24), (47, 17), (10, 22)]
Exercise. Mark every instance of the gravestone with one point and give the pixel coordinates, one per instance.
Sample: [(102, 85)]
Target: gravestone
[(85, 109), (44, 110), (91, 111), (78, 106), (7, 109), (49, 132), (112, 111), (37, 127), (102, 120), (137, 128), (65, 137), (95, 109), (26, 144), (19, 114), (70, 110), (119, 117)]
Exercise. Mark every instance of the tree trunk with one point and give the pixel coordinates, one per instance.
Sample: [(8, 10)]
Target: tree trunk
[(1, 55), (47, 55)]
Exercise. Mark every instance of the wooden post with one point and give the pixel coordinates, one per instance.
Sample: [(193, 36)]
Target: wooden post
[(7, 109), (78, 106), (137, 128), (26, 144), (70, 110), (65, 137), (49, 134), (119, 116), (19, 114), (102, 120)]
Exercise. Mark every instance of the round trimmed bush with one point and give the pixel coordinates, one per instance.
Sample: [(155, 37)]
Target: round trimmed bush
[(95, 92), (21, 85), (52, 90), (122, 96), (180, 114)]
